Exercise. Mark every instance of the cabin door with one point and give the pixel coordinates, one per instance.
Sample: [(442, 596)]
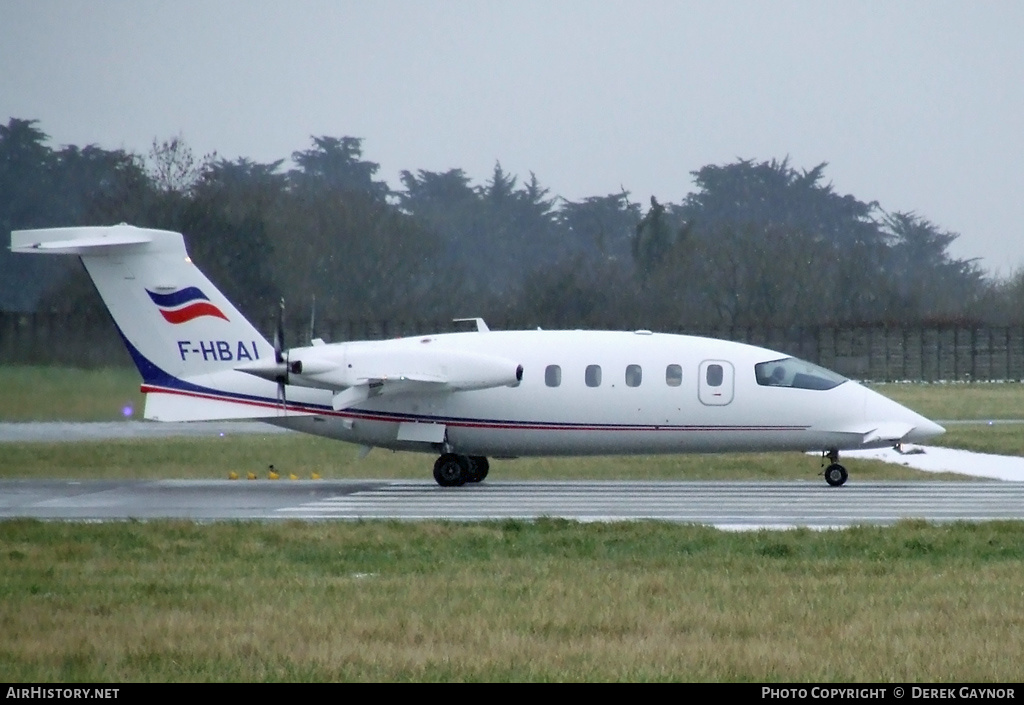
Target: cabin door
[(716, 382)]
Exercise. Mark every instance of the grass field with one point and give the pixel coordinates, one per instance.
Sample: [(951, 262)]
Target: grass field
[(508, 601), (64, 394), (958, 400)]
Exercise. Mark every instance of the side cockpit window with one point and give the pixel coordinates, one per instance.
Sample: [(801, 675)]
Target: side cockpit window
[(795, 374)]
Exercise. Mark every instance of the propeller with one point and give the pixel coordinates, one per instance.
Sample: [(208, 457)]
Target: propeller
[(281, 357)]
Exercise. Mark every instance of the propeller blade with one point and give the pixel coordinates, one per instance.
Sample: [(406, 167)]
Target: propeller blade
[(282, 380), (279, 334)]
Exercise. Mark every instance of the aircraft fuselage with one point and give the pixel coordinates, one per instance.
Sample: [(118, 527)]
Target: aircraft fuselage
[(600, 392)]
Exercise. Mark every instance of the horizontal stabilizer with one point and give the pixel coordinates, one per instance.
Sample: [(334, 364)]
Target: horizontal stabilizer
[(76, 241)]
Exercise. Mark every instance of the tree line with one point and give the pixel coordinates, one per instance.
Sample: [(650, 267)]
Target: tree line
[(753, 244)]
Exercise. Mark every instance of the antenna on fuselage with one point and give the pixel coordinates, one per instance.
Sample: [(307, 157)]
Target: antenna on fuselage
[(480, 325)]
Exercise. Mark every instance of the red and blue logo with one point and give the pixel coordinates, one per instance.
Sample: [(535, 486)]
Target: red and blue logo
[(185, 305)]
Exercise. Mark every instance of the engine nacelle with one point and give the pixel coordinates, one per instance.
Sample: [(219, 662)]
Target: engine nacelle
[(391, 366), (446, 368)]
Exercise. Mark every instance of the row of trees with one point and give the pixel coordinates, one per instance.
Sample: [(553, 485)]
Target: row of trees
[(754, 243)]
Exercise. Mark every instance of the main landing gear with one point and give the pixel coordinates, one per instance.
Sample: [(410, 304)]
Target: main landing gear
[(452, 470), (835, 474)]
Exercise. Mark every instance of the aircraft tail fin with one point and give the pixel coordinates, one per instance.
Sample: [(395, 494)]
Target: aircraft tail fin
[(176, 324)]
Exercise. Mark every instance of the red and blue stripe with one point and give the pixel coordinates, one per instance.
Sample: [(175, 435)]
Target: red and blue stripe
[(185, 305)]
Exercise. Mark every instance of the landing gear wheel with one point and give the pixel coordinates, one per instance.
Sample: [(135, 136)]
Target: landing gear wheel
[(835, 475), (478, 468), (451, 470)]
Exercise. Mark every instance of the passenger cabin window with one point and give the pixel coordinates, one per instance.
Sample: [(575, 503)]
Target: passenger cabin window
[(673, 375), (714, 375), (593, 375), (553, 375), (796, 374), (633, 375)]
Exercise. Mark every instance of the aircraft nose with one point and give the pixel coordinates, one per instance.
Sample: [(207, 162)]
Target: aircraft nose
[(884, 411)]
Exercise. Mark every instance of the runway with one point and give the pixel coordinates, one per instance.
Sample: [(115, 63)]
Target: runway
[(731, 505), (734, 505)]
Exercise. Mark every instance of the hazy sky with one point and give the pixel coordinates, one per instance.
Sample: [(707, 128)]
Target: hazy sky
[(918, 105)]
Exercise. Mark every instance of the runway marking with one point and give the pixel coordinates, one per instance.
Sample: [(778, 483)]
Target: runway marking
[(717, 503), (733, 505)]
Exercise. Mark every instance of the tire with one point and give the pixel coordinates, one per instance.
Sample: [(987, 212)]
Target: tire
[(451, 470), (478, 468), (836, 475)]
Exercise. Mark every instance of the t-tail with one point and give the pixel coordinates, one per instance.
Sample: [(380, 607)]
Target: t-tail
[(184, 335)]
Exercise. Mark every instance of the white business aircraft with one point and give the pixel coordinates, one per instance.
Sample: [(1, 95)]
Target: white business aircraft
[(469, 395)]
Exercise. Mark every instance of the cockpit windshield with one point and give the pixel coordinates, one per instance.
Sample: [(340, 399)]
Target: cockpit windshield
[(796, 374)]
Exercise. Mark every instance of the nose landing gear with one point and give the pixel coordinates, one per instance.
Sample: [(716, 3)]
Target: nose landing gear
[(835, 474)]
